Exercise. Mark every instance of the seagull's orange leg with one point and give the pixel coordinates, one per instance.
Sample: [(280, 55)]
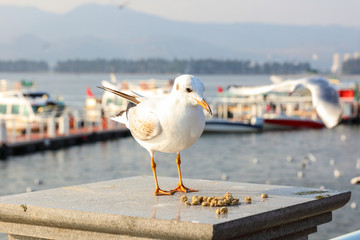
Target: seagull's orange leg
[(158, 191), (181, 187)]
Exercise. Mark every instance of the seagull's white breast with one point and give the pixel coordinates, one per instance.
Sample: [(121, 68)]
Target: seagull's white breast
[(181, 126)]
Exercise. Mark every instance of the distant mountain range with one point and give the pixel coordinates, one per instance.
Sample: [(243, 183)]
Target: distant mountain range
[(104, 31)]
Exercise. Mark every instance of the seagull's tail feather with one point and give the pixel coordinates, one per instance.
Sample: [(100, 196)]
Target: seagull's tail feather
[(133, 99), (122, 117)]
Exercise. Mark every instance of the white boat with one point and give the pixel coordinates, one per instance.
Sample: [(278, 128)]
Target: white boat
[(151, 87), (230, 116), (19, 109), (273, 112), (110, 104), (43, 104)]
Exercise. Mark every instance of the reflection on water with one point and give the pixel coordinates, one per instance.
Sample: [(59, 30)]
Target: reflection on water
[(212, 157)]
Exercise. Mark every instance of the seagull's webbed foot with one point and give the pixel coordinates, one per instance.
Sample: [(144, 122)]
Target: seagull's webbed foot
[(160, 192), (182, 188)]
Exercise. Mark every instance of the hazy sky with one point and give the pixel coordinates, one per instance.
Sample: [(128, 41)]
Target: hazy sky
[(304, 12)]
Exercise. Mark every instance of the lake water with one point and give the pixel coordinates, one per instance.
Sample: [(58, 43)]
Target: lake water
[(212, 157)]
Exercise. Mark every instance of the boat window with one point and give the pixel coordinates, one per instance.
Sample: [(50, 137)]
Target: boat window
[(15, 109), (35, 109), (26, 112), (118, 101), (108, 101), (37, 95), (3, 108)]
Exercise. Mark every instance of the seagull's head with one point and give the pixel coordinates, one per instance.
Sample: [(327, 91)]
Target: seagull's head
[(191, 90)]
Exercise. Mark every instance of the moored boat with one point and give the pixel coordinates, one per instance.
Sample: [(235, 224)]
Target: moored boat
[(315, 104), (109, 104), (288, 106), (22, 109)]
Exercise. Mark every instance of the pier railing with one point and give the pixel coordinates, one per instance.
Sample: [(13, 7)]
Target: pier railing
[(26, 135), (15, 128)]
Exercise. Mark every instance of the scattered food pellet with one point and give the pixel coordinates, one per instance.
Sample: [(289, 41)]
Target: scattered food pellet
[(322, 196), (264, 195), (205, 204), (183, 198), (247, 199), (235, 201), (195, 200), (24, 207), (223, 210), (228, 196), (214, 201)]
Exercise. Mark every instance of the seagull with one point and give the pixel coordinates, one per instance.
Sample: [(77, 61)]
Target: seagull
[(324, 96), (166, 123)]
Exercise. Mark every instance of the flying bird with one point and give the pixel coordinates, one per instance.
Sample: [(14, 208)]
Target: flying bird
[(123, 5), (325, 98), (166, 123)]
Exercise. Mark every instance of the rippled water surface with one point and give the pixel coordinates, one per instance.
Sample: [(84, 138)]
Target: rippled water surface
[(214, 157)]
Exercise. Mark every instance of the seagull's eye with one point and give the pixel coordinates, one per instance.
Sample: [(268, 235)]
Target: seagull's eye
[(188, 89)]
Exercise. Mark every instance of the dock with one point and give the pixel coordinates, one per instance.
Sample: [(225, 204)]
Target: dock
[(55, 139), (127, 209)]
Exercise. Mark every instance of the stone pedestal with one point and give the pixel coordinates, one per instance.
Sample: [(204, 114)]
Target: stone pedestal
[(126, 209)]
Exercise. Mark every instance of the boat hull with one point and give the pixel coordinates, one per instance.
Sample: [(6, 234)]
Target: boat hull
[(226, 126), (290, 123)]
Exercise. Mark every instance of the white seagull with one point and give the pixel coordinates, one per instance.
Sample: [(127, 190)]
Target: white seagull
[(168, 123), (324, 96)]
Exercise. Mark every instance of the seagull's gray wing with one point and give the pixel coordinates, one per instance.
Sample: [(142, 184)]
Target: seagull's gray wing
[(284, 86), (325, 99), (143, 122), (250, 91), (133, 99), (138, 117)]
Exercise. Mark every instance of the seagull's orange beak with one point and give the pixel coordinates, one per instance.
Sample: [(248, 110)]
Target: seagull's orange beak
[(204, 105)]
